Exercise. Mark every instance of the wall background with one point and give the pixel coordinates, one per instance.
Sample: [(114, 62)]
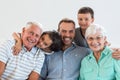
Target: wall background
[(15, 13)]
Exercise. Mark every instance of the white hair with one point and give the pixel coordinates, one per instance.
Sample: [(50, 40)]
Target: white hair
[(34, 23), (93, 28)]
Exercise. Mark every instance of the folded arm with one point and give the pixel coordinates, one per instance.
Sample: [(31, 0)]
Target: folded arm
[(34, 76), (2, 68)]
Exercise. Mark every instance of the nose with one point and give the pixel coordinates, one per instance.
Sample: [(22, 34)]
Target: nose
[(33, 38), (67, 34), (83, 21), (41, 43), (94, 41)]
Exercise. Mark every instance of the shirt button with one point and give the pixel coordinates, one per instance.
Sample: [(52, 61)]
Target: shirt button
[(76, 55), (64, 60), (64, 69)]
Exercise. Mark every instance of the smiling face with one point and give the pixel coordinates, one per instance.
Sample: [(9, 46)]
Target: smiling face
[(96, 41), (84, 20), (96, 37), (67, 32), (30, 36), (44, 42)]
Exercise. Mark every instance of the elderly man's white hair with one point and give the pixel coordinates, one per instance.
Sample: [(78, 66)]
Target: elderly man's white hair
[(34, 23), (93, 28)]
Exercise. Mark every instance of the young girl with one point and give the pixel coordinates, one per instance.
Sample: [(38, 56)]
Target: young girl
[(49, 42)]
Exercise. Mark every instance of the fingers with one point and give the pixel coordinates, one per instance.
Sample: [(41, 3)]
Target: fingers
[(15, 50), (116, 54), (116, 49), (116, 57)]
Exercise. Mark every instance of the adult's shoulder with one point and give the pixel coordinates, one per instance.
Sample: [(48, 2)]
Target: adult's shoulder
[(7, 42), (78, 28), (83, 48), (53, 56), (54, 53)]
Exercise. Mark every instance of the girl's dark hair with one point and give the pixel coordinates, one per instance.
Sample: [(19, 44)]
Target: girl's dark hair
[(56, 39)]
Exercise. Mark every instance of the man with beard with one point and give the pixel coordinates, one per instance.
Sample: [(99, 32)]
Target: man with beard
[(65, 64)]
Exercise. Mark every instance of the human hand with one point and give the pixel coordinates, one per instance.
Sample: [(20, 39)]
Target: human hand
[(18, 45), (16, 36), (116, 53), (17, 48)]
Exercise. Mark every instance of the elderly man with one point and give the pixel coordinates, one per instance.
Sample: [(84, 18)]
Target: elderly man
[(26, 65)]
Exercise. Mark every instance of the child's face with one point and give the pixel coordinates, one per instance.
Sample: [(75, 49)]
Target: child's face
[(44, 42), (84, 20)]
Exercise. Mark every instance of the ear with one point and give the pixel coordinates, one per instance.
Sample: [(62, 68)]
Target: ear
[(106, 42), (105, 38), (23, 30), (92, 20)]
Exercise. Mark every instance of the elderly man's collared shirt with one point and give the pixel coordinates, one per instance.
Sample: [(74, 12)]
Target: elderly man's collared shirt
[(18, 67), (64, 65), (107, 68)]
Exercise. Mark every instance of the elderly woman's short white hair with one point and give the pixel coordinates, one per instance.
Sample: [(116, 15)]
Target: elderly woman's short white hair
[(93, 28)]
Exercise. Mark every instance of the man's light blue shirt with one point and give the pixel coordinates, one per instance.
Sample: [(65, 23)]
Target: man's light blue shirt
[(64, 65), (107, 68)]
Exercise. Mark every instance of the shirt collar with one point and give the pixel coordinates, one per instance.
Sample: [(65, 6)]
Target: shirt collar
[(47, 53), (105, 52), (33, 50), (73, 46)]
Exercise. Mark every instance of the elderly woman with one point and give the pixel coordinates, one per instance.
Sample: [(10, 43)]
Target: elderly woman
[(99, 64)]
